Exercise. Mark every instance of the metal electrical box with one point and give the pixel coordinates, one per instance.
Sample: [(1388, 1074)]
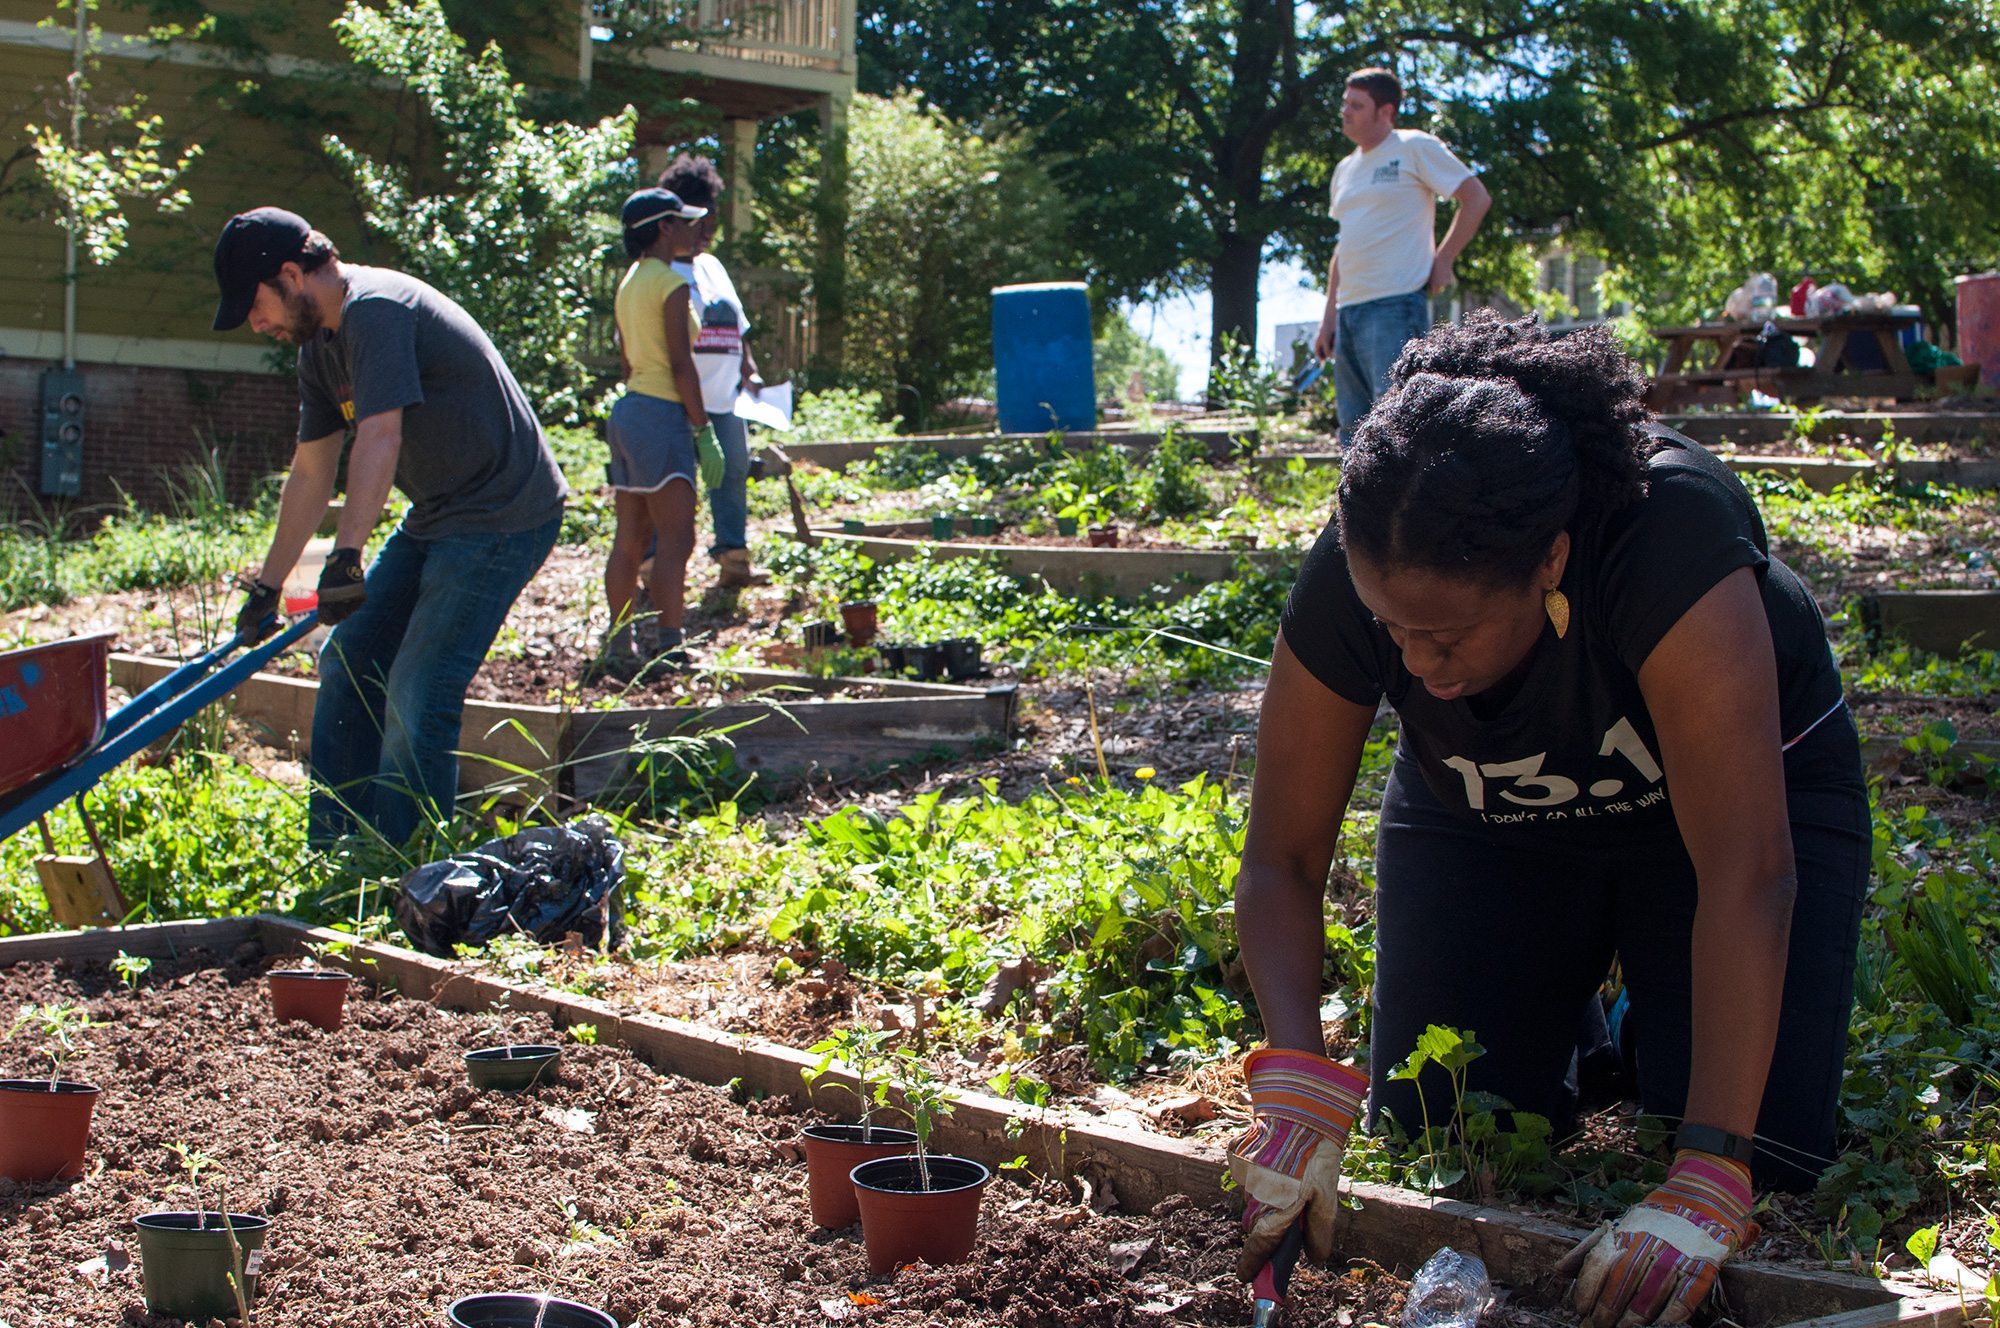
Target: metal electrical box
[(62, 433)]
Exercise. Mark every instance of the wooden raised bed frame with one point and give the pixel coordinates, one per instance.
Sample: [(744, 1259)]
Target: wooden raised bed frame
[(1391, 1226), (1076, 569), (542, 752)]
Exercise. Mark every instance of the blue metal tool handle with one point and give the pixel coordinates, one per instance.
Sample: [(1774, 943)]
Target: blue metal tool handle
[(166, 704)]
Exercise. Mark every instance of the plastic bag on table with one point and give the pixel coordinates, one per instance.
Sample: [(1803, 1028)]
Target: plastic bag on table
[(545, 882), (1754, 301), (1826, 301)]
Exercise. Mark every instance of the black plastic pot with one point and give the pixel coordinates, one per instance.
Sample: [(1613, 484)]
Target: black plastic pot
[(927, 662), (821, 635), (186, 1262), (517, 1309), (894, 657), (961, 658), (513, 1068)]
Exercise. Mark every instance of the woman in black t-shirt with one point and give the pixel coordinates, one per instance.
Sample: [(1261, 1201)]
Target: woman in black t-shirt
[(1622, 737)]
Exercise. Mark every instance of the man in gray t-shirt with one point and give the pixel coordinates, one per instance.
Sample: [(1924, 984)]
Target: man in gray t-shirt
[(433, 410)]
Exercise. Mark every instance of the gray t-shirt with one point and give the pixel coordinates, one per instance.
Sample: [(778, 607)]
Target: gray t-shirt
[(474, 459)]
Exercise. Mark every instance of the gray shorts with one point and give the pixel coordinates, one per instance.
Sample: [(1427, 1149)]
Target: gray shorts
[(652, 444)]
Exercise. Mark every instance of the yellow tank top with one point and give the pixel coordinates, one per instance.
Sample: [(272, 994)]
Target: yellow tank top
[(642, 327)]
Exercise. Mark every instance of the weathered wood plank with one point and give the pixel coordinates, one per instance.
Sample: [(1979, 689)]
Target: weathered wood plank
[(1749, 428), (1393, 1227), (1942, 621), (155, 940), (1218, 440), (785, 738)]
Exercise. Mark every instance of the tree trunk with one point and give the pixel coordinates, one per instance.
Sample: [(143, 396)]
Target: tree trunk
[(1232, 293)]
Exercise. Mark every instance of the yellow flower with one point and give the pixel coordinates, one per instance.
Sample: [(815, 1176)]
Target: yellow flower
[(1073, 779), (1145, 772)]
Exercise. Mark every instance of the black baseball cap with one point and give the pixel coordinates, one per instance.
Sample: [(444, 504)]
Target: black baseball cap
[(253, 246), (650, 205)]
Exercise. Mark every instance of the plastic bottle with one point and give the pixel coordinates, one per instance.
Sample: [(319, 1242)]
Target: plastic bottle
[(1449, 1291)]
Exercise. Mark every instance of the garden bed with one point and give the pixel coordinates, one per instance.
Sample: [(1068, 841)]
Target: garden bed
[(394, 1188), (781, 725), (1953, 428)]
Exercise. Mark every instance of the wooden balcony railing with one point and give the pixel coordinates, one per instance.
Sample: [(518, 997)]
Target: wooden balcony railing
[(805, 34)]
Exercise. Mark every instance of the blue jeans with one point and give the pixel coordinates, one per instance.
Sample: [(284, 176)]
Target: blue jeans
[(1366, 341), (393, 679), (729, 503)]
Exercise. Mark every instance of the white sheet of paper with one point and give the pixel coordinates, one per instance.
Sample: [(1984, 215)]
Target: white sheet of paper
[(771, 407)]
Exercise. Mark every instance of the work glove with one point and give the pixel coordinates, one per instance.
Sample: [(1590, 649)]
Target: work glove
[(1288, 1165), (258, 617), (708, 457), (342, 586), (1656, 1263)]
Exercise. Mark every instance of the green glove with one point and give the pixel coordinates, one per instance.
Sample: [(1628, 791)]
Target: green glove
[(708, 457)]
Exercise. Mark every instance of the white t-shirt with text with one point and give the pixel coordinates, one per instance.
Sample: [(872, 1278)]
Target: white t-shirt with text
[(718, 344), (1385, 200)]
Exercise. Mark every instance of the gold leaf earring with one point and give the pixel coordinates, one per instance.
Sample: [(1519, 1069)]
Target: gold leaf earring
[(1556, 605)]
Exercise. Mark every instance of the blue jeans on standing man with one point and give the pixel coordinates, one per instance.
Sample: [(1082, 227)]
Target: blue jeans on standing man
[(393, 678), (729, 502), (1367, 339)]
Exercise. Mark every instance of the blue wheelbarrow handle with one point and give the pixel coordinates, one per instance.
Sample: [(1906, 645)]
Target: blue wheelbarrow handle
[(146, 718)]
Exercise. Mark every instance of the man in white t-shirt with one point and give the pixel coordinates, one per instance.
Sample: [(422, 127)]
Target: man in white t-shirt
[(1387, 262)]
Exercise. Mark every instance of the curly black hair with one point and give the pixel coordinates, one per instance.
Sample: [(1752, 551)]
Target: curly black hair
[(694, 178), (1493, 437)]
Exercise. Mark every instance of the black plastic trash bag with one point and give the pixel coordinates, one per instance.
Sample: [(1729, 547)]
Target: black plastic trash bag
[(545, 882)]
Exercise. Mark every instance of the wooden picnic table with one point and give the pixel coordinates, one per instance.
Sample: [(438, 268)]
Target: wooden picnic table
[(1733, 371)]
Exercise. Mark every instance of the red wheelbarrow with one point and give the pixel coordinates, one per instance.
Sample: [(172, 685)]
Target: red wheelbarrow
[(56, 742)]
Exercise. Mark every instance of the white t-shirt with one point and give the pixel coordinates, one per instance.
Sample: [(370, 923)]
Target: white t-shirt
[(718, 344), (1385, 200)]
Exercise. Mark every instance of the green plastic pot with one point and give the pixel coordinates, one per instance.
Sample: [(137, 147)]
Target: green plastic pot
[(517, 1309), (985, 525), (853, 526), (186, 1262), (942, 526), (513, 1068), (1066, 526)]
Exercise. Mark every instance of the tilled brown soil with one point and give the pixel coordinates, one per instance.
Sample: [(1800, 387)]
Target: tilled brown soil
[(394, 1188)]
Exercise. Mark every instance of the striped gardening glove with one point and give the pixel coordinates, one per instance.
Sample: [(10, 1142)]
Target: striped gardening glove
[(1303, 1107), (1656, 1263)]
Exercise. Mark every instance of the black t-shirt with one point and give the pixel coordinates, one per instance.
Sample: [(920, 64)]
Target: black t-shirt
[(1573, 752)]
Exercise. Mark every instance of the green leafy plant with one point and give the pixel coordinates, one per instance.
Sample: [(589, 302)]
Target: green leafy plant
[(1174, 471), (862, 1050), (926, 1099), (60, 1026), (1450, 1051), (130, 968), (540, 191), (584, 1034)]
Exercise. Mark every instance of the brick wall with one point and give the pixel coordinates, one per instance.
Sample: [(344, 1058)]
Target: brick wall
[(144, 428)]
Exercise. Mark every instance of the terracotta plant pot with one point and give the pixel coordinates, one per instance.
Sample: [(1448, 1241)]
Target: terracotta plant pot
[(832, 1154), (942, 525), (860, 620), (514, 1309), (316, 995), (514, 1068), (901, 1223), (1104, 537), (43, 1129), (186, 1262), (1066, 527)]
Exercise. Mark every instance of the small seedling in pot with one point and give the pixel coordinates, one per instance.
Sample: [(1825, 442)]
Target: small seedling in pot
[(130, 968), (194, 1162), (861, 1050), (60, 1025), (925, 1099)]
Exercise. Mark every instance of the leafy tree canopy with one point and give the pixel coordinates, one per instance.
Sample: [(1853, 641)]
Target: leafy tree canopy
[(1689, 142)]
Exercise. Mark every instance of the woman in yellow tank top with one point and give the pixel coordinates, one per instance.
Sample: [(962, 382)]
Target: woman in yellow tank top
[(661, 440)]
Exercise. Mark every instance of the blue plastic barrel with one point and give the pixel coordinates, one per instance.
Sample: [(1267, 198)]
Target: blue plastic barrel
[(1043, 377)]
